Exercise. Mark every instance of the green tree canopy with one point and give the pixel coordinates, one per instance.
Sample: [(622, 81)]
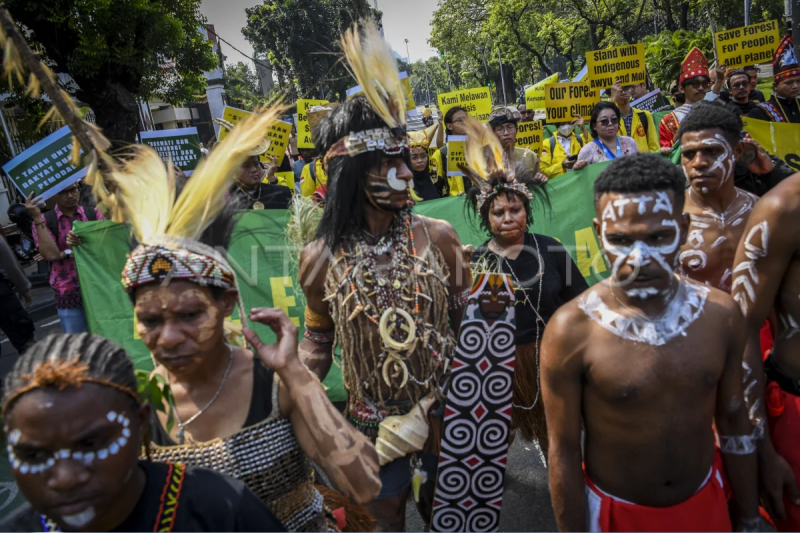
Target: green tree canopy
[(118, 50), (243, 88), (301, 40)]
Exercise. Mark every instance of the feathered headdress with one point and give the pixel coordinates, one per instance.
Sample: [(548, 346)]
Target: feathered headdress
[(372, 63), (168, 228), (259, 149), (488, 163)]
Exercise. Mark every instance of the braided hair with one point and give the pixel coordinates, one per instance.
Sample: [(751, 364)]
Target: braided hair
[(68, 360)]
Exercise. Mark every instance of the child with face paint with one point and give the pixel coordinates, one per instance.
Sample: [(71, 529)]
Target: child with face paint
[(718, 210), (766, 285), (632, 363), (75, 426)]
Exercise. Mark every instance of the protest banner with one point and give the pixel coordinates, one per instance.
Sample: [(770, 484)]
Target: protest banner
[(476, 102), (534, 95), (781, 139), (455, 154), (411, 106), (303, 129), (181, 147), (278, 133), (529, 135), (649, 102), (564, 100), (748, 45), (45, 168), (284, 178), (623, 63)]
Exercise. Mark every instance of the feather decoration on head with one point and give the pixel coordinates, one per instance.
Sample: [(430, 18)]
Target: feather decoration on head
[(488, 165), (422, 138), (373, 65)]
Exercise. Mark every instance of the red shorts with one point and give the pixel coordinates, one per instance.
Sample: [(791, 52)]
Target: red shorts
[(784, 427), (707, 510)]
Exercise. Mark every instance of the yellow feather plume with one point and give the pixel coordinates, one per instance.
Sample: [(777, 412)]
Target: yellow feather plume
[(12, 64), (483, 151), (204, 194), (373, 64), (33, 86)]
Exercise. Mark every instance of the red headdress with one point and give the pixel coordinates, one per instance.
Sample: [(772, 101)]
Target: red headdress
[(784, 62), (694, 64)]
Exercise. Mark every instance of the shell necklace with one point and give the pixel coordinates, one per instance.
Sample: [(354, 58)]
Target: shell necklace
[(182, 425), (540, 275)]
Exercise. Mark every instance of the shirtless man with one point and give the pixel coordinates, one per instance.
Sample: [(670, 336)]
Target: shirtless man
[(717, 209), (632, 359), (766, 278)]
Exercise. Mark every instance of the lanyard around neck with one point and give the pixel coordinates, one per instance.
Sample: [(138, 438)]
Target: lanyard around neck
[(605, 149)]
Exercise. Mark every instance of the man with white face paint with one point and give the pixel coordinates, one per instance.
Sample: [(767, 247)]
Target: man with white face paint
[(766, 283), (75, 429), (718, 210), (632, 359)]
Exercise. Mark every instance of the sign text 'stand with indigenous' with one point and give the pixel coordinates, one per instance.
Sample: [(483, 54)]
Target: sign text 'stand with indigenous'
[(534, 95), (46, 168), (303, 129), (624, 63), (181, 147), (748, 45), (476, 102), (563, 100), (529, 135), (455, 154)]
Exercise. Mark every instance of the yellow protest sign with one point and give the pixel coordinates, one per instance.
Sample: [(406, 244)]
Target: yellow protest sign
[(455, 154), (303, 129), (278, 134), (529, 135), (476, 102), (624, 63), (778, 138), (232, 115), (748, 45), (563, 100), (534, 95), (284, 178)]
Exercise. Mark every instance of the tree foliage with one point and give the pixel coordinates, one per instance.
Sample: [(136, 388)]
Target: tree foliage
[(541, 37), (243, 88), (118, 50), (300, 39)]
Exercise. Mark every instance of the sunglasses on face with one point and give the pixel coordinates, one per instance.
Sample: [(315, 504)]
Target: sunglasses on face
[(628, 88), (740, 85), (606, 122), (697, 84)]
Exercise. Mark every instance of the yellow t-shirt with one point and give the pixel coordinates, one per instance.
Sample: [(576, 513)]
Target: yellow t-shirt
[(308, 185), (456, 183)]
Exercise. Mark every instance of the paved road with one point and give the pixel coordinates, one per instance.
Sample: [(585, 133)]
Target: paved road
[(8, 355), (526, 500)]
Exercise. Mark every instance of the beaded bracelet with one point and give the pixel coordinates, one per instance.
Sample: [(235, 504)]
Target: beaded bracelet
[(320, 337), (457, 301)]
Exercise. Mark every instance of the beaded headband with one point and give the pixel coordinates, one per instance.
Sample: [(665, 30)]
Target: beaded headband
[(355, 144), (512, 186), (149, 263), (60, 374)]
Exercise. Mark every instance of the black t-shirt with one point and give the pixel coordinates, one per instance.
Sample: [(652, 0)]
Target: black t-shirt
[(558, 269), (756, 96), (208, 501), (742, 109), (272, 196), (426, 189)]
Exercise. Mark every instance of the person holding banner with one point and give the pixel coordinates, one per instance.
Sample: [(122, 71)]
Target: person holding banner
[(560, 151), (607, 144), (388, 285), (454, 125), (427, 185), (76, 428), (230, 404), (635, 370), (55, 239), (636, 124), (783, 105)]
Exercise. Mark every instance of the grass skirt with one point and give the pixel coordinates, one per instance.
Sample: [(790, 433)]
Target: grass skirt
[(530, 422)]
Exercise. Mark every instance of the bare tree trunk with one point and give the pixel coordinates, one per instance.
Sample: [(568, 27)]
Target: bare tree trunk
[(684, 15)]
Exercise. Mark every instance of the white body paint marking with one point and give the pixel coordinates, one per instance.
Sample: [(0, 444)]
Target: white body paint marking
[(694, 259), (641, 201), (620, 205), (608, 212), (642, 294), (80, 520), (745, 273), (727, 160), (719, 241), (663, 203), (681, 312), (790, 326)]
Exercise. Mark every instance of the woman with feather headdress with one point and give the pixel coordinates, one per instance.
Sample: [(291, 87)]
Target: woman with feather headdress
[(543, 274), (256, 415), (387, 285)]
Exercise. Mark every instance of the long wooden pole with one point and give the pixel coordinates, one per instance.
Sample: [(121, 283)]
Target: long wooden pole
[(75, 123)]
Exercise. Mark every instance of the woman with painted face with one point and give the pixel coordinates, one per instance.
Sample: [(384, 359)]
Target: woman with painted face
[(75, 428), (427, 185), (607, 144), (230, 404), (542, 272)]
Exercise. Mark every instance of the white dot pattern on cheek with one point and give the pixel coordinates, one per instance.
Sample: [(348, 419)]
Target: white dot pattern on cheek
[(86, 458)]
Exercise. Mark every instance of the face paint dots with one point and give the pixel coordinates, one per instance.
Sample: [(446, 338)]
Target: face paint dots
[(87, 458)]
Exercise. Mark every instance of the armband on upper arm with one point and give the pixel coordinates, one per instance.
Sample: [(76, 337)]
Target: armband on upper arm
[(316, 320), (737, 444)]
